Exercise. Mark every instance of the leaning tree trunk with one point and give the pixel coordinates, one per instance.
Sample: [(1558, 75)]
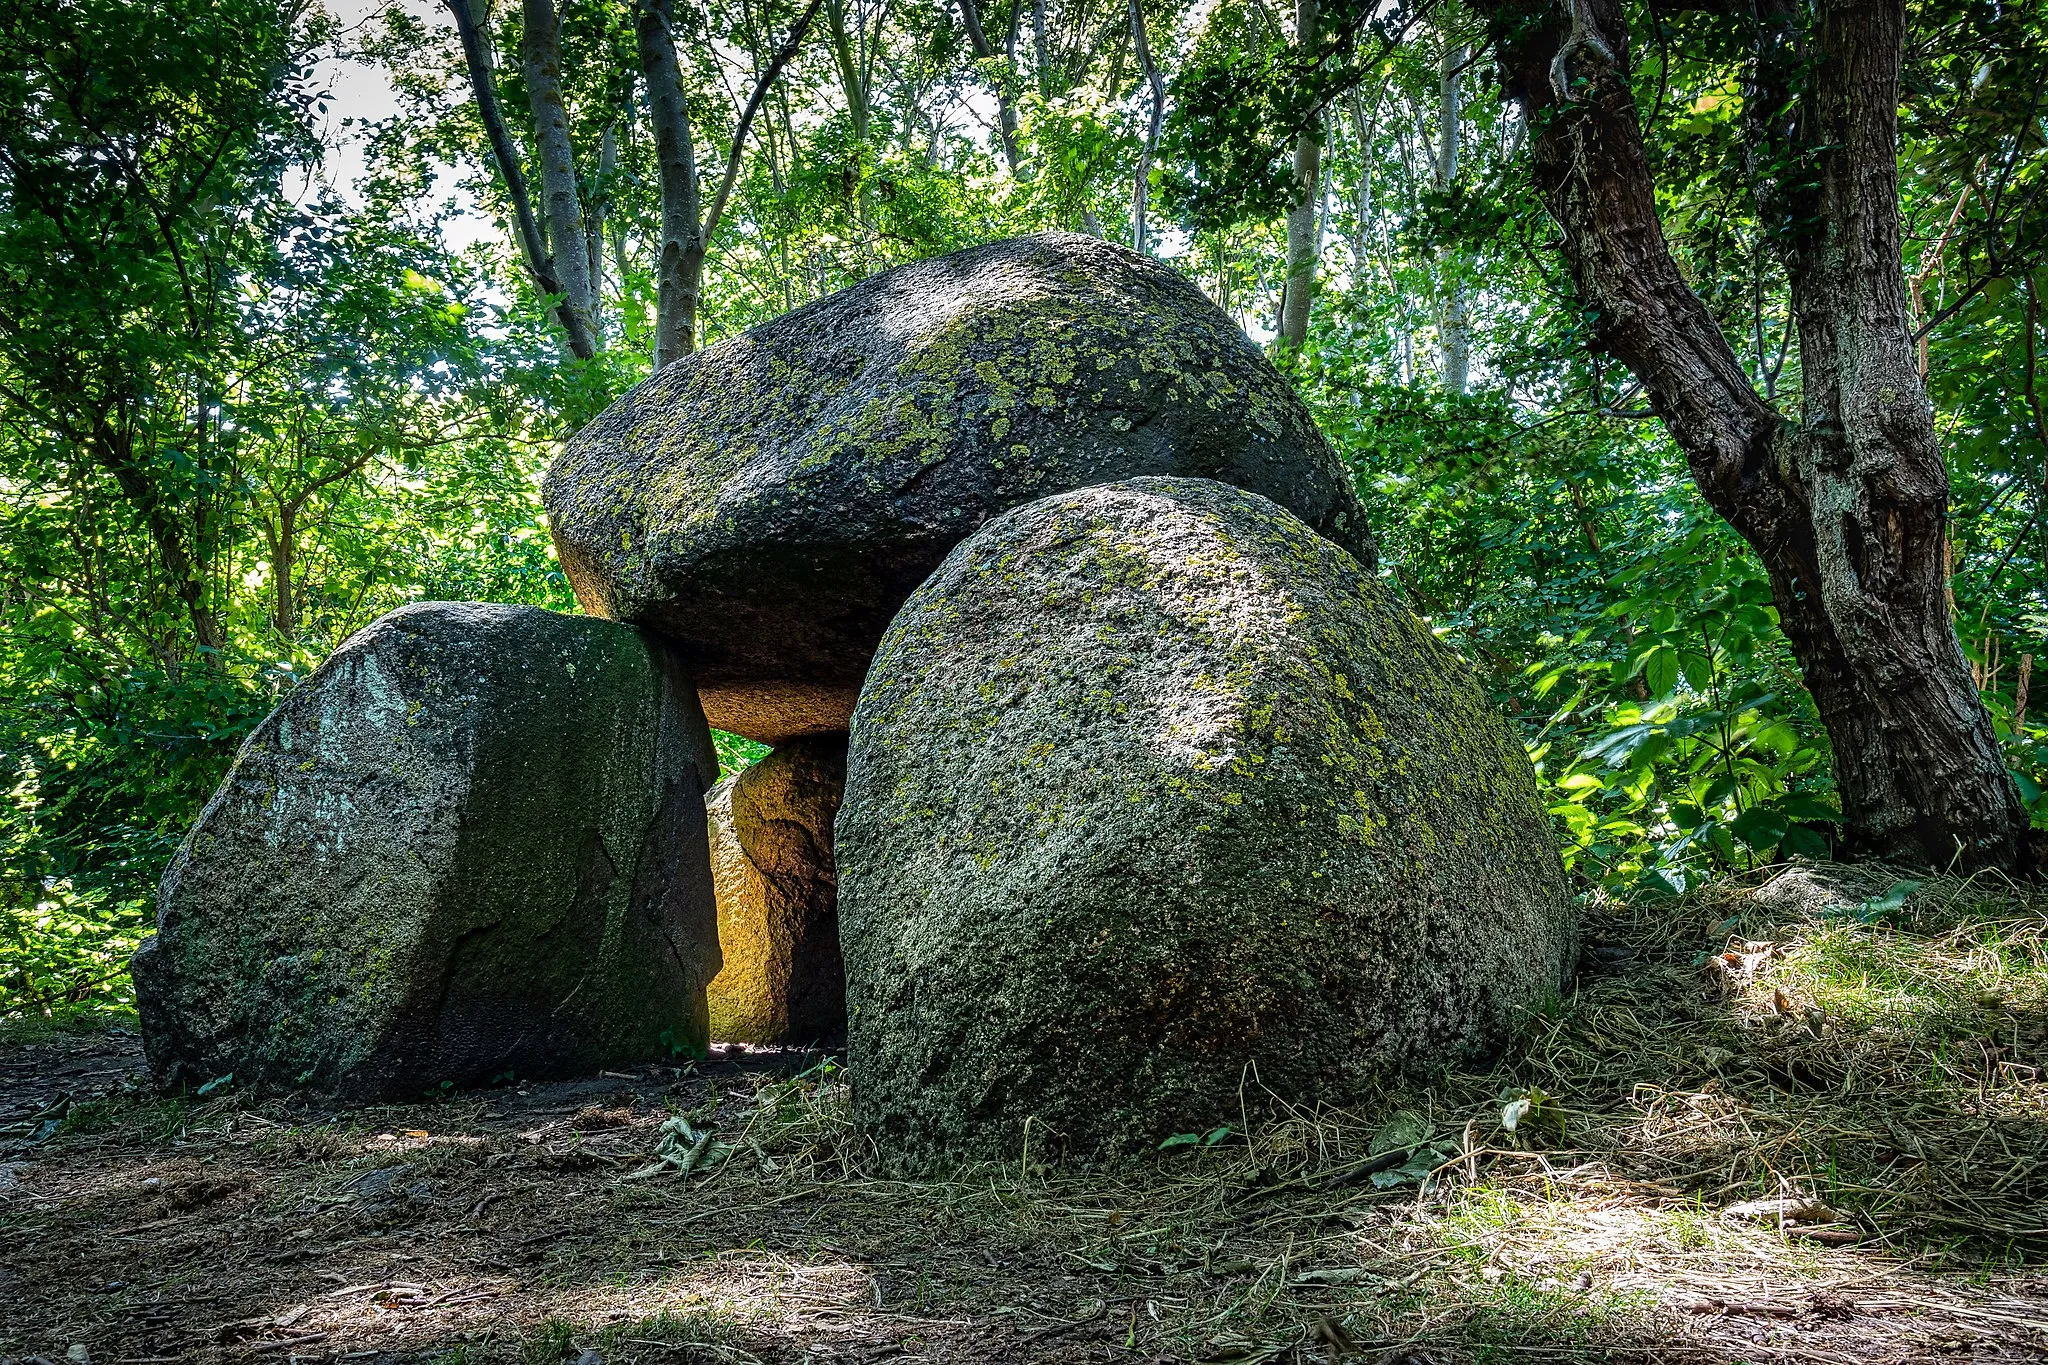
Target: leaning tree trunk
[(1302, 245), (1846, 508), (687, 225)]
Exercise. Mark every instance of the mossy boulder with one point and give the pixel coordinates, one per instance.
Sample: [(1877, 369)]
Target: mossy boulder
[(471, 844), (778, 897), (770, 502), (1159, 805)]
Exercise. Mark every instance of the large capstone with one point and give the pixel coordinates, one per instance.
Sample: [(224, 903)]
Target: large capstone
[(471, 846), (778, 897), (770, 502), (1158, 806)]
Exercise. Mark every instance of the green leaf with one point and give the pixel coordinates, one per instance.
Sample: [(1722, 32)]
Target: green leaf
[(1404, 1129), (1808, 808), (1759, 827), (1804, 842), (1181, 1140)]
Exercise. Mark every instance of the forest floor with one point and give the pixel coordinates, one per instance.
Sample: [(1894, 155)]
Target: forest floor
[(1796, 1118)]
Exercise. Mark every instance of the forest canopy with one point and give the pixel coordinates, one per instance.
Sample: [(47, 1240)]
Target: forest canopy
[(272, 365)]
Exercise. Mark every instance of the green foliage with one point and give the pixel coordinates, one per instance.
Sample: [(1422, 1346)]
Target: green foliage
[(244, 409)]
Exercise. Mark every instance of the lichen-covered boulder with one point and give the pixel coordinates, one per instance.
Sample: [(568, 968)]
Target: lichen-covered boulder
[(778, 897), (472, 844), (1159, 804), (769, 502)]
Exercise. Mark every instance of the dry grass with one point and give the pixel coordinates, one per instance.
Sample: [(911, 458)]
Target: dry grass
[(1871, 1068)]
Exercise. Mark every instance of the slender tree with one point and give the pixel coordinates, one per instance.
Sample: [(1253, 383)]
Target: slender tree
[(472, 25), (1454, 330), (687, 224), (1141, 183), (1006, 110), (1302, 246), (540, 45)]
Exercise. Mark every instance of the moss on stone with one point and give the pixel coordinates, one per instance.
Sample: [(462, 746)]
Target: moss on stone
[(1150, 783), (799, 480)]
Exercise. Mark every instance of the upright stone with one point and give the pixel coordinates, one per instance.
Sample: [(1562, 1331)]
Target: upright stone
[(1159, 804), (470, 846), (770, 501), (778, 897)]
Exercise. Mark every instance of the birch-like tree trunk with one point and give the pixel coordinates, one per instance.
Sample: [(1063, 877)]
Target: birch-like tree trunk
[(1847, 506)]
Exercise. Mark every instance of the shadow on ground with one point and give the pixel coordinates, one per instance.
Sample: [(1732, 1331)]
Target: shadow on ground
[(1862, 1078)]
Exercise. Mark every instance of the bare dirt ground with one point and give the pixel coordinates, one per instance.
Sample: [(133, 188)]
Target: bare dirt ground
[(544, 1223)]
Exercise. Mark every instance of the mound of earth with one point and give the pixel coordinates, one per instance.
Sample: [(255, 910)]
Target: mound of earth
[(1159, 804), (769, 502), (472, 844)]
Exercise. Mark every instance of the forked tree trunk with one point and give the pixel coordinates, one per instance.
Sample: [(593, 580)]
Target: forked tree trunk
[(675, 157), (853, 77), (686, 226), (472, 21), (1847, 507)]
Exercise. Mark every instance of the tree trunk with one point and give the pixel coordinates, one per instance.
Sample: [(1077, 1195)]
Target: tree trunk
[(1041, 49), (472, 17), (182, 556), (675, 155), (284, 553), (1006, 112), (1141, 184), (541, 49), (1847, 508), (1454, 328), (852, 79), (686, 231), (594, 231), (1302, 246)]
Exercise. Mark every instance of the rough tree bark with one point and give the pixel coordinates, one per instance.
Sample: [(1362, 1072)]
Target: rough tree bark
[(686, 227), (541, 52), (472, 20), (1302, 246), (1141, 184), (1846, 507)]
